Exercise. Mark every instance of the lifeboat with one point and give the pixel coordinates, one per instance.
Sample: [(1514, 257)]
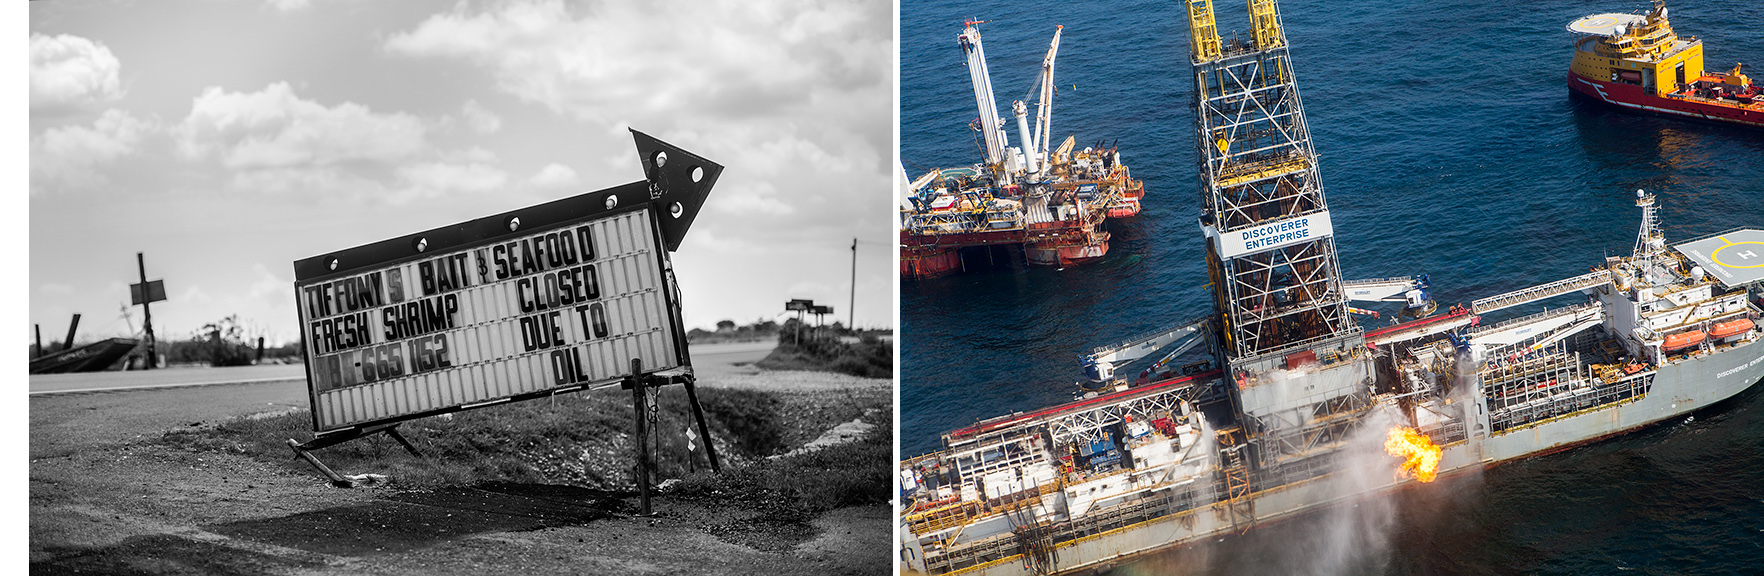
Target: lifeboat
[(1683, 340), (1730, 328)]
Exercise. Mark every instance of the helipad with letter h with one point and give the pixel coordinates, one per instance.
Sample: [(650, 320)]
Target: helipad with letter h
[(1735, 258)]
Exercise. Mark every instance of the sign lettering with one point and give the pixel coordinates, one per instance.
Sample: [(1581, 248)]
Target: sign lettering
[(478, 322)]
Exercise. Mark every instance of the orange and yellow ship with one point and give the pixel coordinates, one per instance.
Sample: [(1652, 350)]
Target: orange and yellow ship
[(1637, 62)]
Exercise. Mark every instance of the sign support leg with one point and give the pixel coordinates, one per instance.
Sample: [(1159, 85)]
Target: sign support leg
[(640, 439), (710, 448), (305, 450), (393, 432), (331, 475)]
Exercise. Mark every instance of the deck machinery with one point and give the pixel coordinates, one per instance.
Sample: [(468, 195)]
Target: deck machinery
[(1291, 406), (1047, 201)]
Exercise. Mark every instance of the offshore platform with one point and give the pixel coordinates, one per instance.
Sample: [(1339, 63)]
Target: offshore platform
[(1049, 203), (1278, 402)]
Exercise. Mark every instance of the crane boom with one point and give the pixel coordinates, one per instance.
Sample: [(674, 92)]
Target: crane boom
[(1099, 365), (991, 128), (1408, 289), (1044, 108)]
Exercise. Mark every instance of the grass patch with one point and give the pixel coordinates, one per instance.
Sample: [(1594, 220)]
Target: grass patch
[(870, 357), (796, 488), (580, 439)]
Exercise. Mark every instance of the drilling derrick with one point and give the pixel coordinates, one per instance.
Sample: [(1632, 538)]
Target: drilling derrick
[(1272, 256), (1298, 366)]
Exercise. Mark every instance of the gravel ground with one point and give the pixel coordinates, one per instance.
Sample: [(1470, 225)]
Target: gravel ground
[(118, 503)]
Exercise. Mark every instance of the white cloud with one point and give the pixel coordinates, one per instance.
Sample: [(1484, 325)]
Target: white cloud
[(269, 284), (310, 181), (69, 72), (554, 175), (427, 179), (289, 5), (748, 197), (801, 289), (702, 241), (275, 128), (195, 294), (69, 156), (473, 154), (55, 288), (275, 141), (480, 119), (609, 62), (795, 93)]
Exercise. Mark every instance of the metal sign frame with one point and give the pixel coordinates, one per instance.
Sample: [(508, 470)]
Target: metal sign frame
[(477, 234), (665, 195), (675, 185)]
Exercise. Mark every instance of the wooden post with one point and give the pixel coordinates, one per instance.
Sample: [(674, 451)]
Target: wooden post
[(147, 312), (39, 351), (71, 329), (639, 402), (851, 323)]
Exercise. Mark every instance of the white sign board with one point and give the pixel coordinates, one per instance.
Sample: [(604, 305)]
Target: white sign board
[(1264, 237), (488, 321)]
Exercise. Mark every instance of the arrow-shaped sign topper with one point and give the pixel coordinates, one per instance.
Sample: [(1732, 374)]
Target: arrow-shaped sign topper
[(674, 186), (678, 183)]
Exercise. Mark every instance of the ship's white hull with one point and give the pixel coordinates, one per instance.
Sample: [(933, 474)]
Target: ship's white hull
[(1677, 389)]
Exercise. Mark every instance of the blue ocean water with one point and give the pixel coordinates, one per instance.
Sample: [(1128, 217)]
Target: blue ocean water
[(1449, 145)]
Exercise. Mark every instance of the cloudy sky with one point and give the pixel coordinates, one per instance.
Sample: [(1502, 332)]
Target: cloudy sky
[(226, 139)]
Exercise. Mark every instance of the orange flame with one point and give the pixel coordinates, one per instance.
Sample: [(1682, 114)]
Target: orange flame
[(1421, 456)]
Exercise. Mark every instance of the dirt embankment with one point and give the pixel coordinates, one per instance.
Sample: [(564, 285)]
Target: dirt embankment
[(210, 498)]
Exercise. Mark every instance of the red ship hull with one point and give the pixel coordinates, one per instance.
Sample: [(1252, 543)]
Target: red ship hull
[(921, 264), (1632, 97)]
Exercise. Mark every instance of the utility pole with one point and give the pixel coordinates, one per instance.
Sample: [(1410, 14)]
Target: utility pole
[(851, 323)]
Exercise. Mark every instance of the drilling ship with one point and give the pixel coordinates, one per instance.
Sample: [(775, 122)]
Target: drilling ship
[(1255, 410), (1050, 204), (1637, 62)]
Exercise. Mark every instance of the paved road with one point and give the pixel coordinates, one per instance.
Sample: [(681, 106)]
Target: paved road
[(68, 410), (138, 379), (706, 358)]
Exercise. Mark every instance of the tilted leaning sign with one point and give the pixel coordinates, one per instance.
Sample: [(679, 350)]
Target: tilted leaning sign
[(569, 295)]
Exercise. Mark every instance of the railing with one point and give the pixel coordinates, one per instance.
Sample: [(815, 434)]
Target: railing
[(1540, 292)]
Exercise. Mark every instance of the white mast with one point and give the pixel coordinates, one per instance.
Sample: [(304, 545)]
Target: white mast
[(1044, 110), (990, 126), (1022, 113), (1650, 239)]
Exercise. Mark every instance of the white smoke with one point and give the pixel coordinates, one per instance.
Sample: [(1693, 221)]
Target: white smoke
[(1354, 535)]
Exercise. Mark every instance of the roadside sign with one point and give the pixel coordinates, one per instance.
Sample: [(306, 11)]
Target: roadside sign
[(552, 298), (155, 292)]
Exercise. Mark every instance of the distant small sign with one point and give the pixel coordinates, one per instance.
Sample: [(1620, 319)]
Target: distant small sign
[(799, 305), (155, 292)]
